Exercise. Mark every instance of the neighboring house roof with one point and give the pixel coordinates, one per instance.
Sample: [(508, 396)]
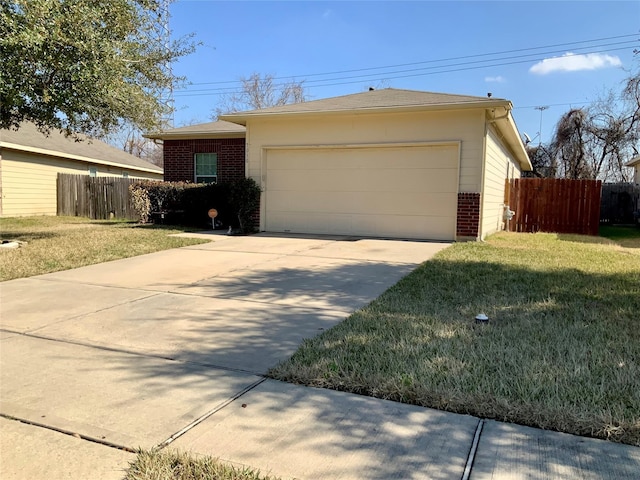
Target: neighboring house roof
[(634, 162), (29, 139), (202, 131), (391, 99)]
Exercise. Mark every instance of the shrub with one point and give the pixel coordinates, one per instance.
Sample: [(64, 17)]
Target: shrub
[(244, 200), (151, 197), (140, 199), (196, 203), (188, 203)]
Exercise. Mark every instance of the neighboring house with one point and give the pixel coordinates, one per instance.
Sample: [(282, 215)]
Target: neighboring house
[(635, 164), (208, 152), (383, 163), (30, 162)]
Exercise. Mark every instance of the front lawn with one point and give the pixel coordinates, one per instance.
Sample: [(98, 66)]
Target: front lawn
[(561, 350), (627, 236), (52, 243)]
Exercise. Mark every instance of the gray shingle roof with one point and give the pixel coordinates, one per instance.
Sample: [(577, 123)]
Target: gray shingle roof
[(202, 130), (387, 98), (90, 149)]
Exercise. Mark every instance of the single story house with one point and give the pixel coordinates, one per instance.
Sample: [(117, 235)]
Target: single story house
[(383, 163), (30, 162)]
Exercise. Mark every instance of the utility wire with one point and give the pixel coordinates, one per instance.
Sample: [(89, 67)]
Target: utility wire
[(438, 60), (383, 75)]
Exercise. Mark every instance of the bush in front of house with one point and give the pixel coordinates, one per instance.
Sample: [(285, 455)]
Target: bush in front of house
[(244, 199), (189, 203), (152, 197)]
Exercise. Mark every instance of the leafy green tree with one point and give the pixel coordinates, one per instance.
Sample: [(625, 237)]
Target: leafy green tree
[(85, 66)]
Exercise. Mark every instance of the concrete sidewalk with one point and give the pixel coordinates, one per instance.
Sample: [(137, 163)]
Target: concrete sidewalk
[(169, 349)]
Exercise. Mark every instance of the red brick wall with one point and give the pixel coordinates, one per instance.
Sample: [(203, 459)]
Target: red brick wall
[(468, 215), (178, 158)]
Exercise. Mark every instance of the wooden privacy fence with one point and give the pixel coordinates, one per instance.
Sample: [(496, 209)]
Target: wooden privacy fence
[(620, 203), (99, 198), (554, 205)]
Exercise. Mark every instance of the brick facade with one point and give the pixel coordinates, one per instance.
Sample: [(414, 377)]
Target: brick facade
[(468, 224), (179, 160)]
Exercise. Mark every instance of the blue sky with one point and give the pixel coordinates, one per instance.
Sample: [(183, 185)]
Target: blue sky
[(468, 48)]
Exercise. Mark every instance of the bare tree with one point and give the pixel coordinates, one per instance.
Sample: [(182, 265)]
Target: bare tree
[(543, 161), (259, 91), (569, 145), (131, 141), (596, 142)]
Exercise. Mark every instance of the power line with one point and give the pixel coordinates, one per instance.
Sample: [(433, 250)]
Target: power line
[(385, 75), (367, 76), (440, 60)]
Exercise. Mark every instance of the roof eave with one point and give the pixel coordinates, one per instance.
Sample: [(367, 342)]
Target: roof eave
[(193, 135), (633, 162), (516, 144), (53, 153), (242, 118)]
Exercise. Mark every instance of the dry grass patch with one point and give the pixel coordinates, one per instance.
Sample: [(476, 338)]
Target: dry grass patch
[(561, 352), (151, 465), (60, 243)]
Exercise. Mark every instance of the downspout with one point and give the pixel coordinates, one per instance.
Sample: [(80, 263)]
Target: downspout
[(492, 121), (482, 180)]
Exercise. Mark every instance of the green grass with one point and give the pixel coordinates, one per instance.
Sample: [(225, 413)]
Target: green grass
[(151, 465), (60, 243), (625, 236), (561, 351)]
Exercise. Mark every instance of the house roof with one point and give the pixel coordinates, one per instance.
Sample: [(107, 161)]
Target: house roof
[(372, 100), (29, 139), (216, 129), (391, 99)]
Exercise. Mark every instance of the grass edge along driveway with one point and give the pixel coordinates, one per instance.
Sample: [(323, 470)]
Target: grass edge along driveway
[(52, 244), (561, 350)]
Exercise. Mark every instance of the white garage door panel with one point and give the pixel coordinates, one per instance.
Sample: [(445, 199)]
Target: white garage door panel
[(392, 192), (438, 228), (359, 158), (354, 180), (380, 203)]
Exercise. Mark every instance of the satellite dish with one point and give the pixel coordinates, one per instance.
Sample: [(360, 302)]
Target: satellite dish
[(527, 138)]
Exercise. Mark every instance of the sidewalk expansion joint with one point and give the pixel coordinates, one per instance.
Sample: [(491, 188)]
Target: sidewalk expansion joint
[(87, 438), (131, 352), (99, 310), (472, 452), (202, 418)]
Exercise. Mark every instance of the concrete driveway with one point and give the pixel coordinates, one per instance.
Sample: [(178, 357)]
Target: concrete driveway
[(131, 353), (169, 349)]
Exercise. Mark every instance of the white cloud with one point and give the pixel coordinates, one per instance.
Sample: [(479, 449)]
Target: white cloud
[(498, 79), (570, 62)]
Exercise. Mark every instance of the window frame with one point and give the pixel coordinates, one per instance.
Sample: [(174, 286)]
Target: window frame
[(196, 177)]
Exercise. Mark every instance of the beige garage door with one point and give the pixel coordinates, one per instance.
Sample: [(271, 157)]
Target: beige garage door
[(403, 192)]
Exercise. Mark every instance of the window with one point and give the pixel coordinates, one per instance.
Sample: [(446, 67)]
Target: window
[(125, 174), (93, 171), (206, 167)]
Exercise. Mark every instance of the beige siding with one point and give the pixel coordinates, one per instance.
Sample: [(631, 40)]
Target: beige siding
[(29, 181), (500, 166), (464, 127)]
